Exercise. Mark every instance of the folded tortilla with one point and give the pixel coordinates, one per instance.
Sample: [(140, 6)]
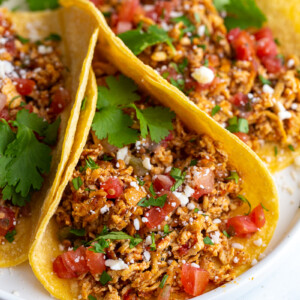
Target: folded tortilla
[(283, 20), (77, 49), (257, 184)]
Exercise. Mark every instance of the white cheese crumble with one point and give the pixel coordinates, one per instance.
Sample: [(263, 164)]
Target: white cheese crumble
[(147, 255), (144, 220), (294, 106), (136, 224), (188, 191), (235, 260), (283, 113), (135, 185), (191, 206), (116, 264), (175, 14), (44, 49), (237, 246), (203, 75), (184, 200), (195, 265), (104, 209), (290, 63), (267, 89), (122, 153), (216, 221), (258, 242), (146, 163), (215, 237), (6, 68), (148, 240), (201, 30)]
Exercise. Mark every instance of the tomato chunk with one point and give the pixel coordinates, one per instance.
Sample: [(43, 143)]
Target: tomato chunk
[(60, 100), (244, 137), (4, 114), (24, 86), (272, 64), (241, 226), (264, 33), (194, 280), (203, 181), (71, 264), (258, 216), (95, 262), (163, 183), (128, 10), (157, 215), (240, 99), (7, 220), (113, 187), (266, 47)]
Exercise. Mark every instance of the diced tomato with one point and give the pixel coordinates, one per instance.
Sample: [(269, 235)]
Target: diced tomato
[(113, 187), (60, 100), (71, 264), (123, 26), (3, 101), (162, 10), (163, 183), (244, 137), (128, 10), (4, 114), (165, 293), (95, 262), (194, 280), (183, 250), (239, 99), (258, 216), (264, 33), (203, 182), (157, 215), (10, 46), (24, 86), (241, 226), (266, 47), (7, 220), (272, 64), (242, 43)]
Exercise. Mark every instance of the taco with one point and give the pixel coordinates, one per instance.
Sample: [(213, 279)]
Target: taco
[(44, 73), (239, 77), (158, 201)]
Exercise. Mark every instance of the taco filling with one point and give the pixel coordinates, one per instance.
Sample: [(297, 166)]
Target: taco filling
[(237, 76), (32, 96), (150, 209)]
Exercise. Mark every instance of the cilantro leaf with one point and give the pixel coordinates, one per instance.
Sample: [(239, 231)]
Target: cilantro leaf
[(153, 244), (245, 200), (157, 119), (91, 297), (138, 40), (7, 136), (10, 236), (242, 14), (53, 37), (78, 232), (159, 201), (91, 164), (77, 183), (98, 247), (120, 133), (208, 241), (179, 177), (51, 132), (221, 4), (215, 110), (135, 241), (263, 80), (30, 159), (120, 91), (9, 193), (35, 5), (104, 279), (187, 23), (233, 176)]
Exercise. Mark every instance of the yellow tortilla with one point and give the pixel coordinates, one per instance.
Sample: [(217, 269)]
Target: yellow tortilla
[(77, 50), (258, 185)]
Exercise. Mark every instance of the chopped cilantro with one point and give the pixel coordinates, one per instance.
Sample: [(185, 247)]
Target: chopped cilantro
[(10, 236), (53, 37), (77, 183), (138, 40), (151, 190), (182, 66), (162, 283), (208, 241), (196, 210), (197, 17), (264, 80), (202, 46), (226, 234), (141, 182), (35, 5), (166, 229), (291, 147), (90, 297), (22, 39), (264, 207), (233, 176), (193, 162), (207, 33), (215, 110), (245, 200), (190, 27), (99, 246), (165, 75), (78, 232), (153, 245), (241, 13), (106, 157), (275, 150), (179, 83), (237, 125), (83, 103), (159, 201), (90, 164), (105, 278), (135, 241), (206, 62), (179, 178)]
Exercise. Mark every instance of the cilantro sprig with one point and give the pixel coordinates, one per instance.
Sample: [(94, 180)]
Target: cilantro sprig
[(179, 177), (35, 5), (159, 201), (111, 122)]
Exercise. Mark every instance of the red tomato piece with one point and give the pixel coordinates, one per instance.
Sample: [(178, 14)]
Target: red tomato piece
[(241, 226), (95, 262), (272, 64), (233, 34), (4, 114), (266, 47), (239, 99), (24, 86), (10, 47), (165, 293), (3, 100), (128, 9), (157, 215), (60, 100), (244, 137), (123, 26), (264, 33), (194, 280), (203, 182), (7, 220), (113, 187), (163, 183), (258, 216), (183, 250), (74, 263)]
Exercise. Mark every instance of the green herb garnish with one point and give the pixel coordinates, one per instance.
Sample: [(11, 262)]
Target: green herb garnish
[(215, 110), (10, 235), (162, 283), (153, 245), (233, 176), (78, 232), (238, 125), (159, 201), (208, 241), (264, 80), (105, 278), (77, 183), (179, 178), (245, 200)]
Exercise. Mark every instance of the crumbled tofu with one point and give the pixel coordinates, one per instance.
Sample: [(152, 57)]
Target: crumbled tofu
[(203, 75)]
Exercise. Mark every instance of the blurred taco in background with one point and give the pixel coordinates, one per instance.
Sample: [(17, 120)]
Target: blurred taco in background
[(229, 64), (44, 71), (157, 201)]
